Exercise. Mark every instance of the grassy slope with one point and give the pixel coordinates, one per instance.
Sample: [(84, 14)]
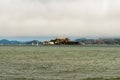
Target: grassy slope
[(59, 63)]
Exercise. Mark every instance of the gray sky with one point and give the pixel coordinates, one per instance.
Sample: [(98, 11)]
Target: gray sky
[(60, 18)]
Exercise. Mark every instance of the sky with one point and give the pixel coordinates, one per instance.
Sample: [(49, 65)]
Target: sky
[(82, 18)]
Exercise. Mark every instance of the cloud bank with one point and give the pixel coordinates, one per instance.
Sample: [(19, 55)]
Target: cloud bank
[(60, 18)]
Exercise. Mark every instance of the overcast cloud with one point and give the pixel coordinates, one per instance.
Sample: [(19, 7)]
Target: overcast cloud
[(60, 18)]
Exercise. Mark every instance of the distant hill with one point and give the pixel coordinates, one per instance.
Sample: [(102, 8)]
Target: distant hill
[(99, 41), (112, 41), (5, 41)]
